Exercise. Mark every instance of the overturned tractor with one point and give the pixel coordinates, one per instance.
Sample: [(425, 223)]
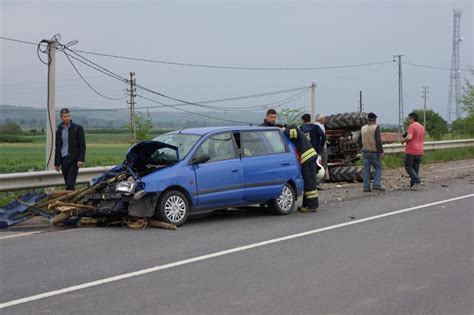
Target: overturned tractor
[(342, 131)]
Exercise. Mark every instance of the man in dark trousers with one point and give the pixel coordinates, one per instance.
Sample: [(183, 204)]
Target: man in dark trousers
[(70, 149), (370, 143), (314, 134), (309, 168)]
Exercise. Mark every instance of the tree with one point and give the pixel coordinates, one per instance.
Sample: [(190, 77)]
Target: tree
[(465, 126), (10, 128), (436, 126), (290, 116), (467, 98), (143, 125)]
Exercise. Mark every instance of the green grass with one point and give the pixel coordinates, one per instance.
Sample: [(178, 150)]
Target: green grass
[(108, 138), (22, 157), (396, 160)]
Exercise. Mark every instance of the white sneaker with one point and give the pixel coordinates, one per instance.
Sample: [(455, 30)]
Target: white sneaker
[(416, 186)]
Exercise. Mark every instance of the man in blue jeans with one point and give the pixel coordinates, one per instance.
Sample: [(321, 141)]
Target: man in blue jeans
[(370, 143)]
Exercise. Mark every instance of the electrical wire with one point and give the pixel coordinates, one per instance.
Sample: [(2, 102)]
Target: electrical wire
[(431, 67), (193, 113), (18, 40), (231, 67), (63, 48), (94, 65), (235, 67)]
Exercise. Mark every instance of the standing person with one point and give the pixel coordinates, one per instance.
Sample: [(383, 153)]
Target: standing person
[(323, 153), (414, 139), (270, 120), (314, 134), (309, 168), (370, 143), (70, 149)]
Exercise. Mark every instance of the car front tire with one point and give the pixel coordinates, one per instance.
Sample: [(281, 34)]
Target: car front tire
[(285, 203), (173, 207)]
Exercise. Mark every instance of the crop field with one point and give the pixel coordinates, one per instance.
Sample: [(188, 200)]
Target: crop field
[(23, 157)]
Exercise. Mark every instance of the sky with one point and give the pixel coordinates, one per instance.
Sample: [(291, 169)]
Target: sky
[(276, 34)]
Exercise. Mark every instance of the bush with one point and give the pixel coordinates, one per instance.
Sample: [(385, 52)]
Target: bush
[(10, 128), (464, 126), (14, 139)]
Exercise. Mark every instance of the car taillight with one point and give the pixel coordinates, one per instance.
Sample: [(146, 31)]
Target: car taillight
[(298, 155)]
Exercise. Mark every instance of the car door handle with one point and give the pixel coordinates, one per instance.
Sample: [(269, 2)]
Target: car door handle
[(285, 163), (235, 171)]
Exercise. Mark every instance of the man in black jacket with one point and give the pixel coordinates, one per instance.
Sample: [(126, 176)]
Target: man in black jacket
[(270, 120), (70, 149), (309, 168)]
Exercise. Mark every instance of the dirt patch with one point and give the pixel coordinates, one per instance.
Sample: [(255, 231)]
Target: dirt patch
[(435, 173)]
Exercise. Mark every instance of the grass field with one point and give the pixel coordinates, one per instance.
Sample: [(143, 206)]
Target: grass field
[(22, 157), (396, 160)]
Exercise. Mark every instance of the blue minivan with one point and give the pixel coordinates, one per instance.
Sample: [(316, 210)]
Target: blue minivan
[(192, 171)]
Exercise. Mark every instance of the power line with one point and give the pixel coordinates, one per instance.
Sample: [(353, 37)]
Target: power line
[(232, 67), (18, 40), (85, 81), (430, 67), (199, 104), (193, 113)]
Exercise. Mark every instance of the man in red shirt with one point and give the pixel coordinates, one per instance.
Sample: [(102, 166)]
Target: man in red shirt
[(414, 139)]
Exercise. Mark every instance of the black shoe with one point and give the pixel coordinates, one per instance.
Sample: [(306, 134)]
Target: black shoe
[(367, 190)]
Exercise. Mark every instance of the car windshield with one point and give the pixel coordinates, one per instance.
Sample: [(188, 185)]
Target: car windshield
[(184, 141)]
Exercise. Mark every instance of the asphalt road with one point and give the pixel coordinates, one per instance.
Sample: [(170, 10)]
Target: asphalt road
[(347, 260)]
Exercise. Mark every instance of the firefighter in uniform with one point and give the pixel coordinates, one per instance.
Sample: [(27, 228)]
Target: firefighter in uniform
[(309, 168)]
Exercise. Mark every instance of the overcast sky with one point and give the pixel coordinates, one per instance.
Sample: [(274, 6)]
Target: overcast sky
[(245, 34)]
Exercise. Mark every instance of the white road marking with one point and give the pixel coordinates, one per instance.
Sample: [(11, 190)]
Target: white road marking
[(18, 235), (217, 254)]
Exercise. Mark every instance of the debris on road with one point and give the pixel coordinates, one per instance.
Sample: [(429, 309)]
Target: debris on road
[(96, 205)]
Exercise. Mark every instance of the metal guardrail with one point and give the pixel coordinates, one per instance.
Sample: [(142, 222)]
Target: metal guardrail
[(431, 145), (28, 180)]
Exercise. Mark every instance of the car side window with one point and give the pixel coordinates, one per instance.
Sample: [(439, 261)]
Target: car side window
[(262, 142), (219, 147)]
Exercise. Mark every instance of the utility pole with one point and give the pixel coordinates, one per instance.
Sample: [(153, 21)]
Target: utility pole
[(132, 92), (401, 127), (51, 112), (454, 98), (360, 101), (313, 100), (425, 91)]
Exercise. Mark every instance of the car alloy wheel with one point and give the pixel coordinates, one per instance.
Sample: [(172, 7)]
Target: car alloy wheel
[(173, 207), (285, 203), (285, 200)]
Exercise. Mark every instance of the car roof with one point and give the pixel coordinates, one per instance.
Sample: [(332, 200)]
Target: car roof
[(206, 130)]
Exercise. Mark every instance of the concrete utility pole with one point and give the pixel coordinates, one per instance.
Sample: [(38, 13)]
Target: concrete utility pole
[(401, 126), (132, 91), (425, 91), (51, 112), (313, 100), (360, 101)]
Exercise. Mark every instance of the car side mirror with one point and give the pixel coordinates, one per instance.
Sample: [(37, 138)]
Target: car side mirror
[(200, 159)]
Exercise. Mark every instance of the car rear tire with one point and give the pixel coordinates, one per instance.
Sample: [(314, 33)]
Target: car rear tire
[(285, 203), (173, 207)]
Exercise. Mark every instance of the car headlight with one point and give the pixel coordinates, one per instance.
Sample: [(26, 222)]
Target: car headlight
[(125, 187)]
